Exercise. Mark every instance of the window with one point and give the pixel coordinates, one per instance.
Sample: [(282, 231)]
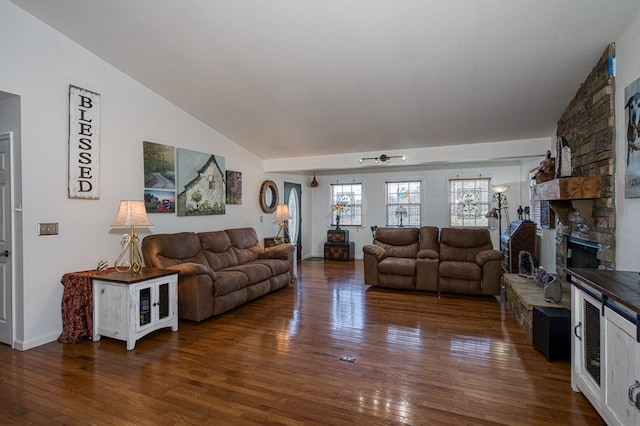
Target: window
[(469, 202), (346, 202), (403, 202)]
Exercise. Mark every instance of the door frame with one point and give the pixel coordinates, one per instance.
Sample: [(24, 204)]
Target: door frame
[(288, 187), (11, 259)]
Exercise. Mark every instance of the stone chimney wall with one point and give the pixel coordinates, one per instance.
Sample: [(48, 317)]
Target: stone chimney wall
[(588, 124)]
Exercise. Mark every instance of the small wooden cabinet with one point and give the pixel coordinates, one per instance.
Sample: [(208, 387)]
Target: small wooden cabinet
[(519, 236), (339, 251), (338, 246), (129, 305)]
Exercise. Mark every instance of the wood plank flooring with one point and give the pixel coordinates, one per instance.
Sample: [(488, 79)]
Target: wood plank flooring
[(420, 360)]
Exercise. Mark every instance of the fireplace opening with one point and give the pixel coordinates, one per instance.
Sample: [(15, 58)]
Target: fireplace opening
[(582, 253)]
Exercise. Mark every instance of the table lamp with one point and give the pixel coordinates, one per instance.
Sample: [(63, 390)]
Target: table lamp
[(401, 212), (130, 214), (282, 215)]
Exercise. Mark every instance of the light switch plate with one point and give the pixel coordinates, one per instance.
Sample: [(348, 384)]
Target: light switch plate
[(48, 229)]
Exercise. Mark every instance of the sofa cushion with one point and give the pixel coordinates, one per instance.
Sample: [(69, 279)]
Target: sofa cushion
[(397, 266), (229, 281), (463, 244), (254, 271), (461, 270), (277, 266), (165, 250), (245, 243), (217, 249)]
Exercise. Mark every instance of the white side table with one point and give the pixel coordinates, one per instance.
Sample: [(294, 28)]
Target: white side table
[(129, 305)]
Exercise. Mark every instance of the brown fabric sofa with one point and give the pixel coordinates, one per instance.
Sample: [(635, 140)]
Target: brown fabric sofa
[(219, 270), (452, 260)]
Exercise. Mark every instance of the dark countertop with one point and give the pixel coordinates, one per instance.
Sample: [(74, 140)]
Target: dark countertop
[(131, 277), (622, 287)]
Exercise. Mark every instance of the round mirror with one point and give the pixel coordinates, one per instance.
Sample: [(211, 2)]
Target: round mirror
[(268, 196)]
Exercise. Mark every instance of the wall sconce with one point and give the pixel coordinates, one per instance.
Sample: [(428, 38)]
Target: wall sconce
[(401, 212), (130, 214), (384, 158), (282, 215)]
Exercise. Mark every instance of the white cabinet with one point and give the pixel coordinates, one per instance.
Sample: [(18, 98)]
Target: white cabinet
[(621, 351), (605, 346), (586, 357), (128, 305)]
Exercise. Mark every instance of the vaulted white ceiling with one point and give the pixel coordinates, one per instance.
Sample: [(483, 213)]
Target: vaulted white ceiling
[(288, 78)]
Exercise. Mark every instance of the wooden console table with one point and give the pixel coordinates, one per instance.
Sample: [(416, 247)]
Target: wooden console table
[(522, 294)]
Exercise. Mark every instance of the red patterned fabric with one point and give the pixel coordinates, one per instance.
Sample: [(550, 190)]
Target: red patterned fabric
[(77, 305)]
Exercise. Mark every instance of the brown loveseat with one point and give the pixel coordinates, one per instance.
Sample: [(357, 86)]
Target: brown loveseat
[(452, 260), (219, 270)]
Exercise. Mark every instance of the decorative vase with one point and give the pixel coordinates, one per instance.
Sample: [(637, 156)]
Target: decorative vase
[(337, 222), (553, 290)]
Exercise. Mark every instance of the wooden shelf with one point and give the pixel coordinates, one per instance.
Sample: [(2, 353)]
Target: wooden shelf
[(568, 188), (575, 192)]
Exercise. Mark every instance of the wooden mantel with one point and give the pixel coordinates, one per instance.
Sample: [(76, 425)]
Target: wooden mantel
[(565, 192)]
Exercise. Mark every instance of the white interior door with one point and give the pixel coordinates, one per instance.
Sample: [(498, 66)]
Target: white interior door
[(6, 302)]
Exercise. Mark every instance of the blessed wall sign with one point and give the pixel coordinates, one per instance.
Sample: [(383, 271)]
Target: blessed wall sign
[(84, 144)]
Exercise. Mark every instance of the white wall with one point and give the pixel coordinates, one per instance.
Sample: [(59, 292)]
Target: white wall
[(435, 196), (627, 232), (39, 64)]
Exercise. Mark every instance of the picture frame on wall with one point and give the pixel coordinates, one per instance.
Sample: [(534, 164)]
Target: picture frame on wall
[(84, 143), (234, 187), (632, 139), (159, 177), (201, 177)]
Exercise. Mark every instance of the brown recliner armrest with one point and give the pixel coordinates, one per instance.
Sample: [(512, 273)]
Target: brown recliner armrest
[(488, 255), (378, 252), (191, 268), (428, 254), (281, 251)]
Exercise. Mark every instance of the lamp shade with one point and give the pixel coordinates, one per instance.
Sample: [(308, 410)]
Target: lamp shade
[(493, 214), (500, 188), (401, 211), (282, 213), (132, 214)]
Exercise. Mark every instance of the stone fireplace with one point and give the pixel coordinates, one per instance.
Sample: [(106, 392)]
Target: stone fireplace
[(585, 236)]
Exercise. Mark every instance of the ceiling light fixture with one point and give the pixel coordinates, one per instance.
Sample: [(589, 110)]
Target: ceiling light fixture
[(384, 158)]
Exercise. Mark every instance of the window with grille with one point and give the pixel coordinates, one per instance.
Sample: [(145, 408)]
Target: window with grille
[(469, 202), (346, 203), (403, 203)]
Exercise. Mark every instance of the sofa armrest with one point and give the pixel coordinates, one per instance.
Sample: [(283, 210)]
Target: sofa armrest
[(281, 251), (191, 268), (428, 254), (376, 251), (488, 255)]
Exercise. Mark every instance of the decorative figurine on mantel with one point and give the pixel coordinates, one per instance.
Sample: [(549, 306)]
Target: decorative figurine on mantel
[(545, 171)]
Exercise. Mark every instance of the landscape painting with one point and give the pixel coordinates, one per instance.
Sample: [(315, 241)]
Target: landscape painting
[(159, 177), (201, 183)]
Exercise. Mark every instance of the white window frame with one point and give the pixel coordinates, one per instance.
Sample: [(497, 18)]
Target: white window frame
[(353, 193), (471, 214), (411, 200)]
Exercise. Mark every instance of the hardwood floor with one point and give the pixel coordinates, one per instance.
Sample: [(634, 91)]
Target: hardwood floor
[(420, 359)]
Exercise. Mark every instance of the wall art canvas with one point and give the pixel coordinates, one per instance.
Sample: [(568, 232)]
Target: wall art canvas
[(632, 140), (234, 187), (159, 177), (201, 188), (84, 144)]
